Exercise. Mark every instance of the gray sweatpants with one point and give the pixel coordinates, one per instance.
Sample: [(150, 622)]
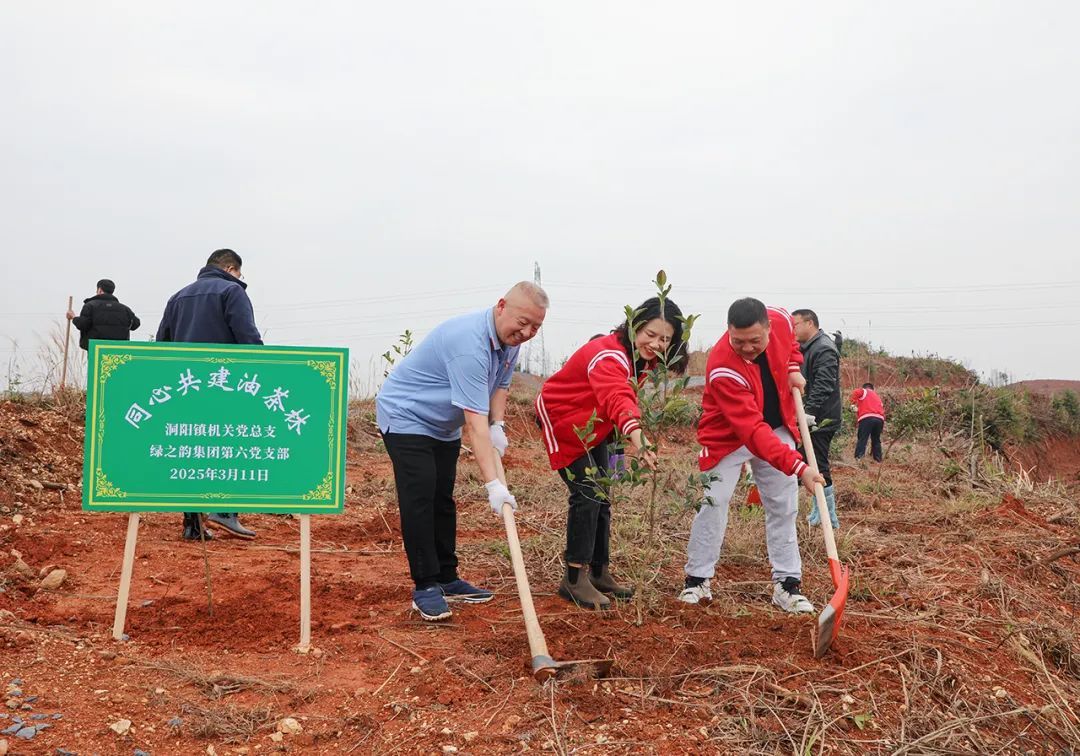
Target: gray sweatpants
[(779, 497)]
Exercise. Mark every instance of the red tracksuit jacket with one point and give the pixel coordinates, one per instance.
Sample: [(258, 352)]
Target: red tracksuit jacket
[(598, 376), (732, 406), (868, 404)]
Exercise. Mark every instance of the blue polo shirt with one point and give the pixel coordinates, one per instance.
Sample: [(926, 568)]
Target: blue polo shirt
[(456, 368)]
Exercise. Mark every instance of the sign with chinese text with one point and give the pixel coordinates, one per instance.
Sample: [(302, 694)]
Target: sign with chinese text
[(215, 428)]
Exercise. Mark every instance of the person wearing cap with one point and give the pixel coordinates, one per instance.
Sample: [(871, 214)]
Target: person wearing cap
[(458, 375), (103, 316)]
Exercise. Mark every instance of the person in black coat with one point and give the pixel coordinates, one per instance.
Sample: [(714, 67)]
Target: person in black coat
[(821, 368), (104, 317)]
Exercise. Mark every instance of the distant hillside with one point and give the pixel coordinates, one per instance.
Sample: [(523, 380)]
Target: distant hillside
[(1047, 387), (860, 364)]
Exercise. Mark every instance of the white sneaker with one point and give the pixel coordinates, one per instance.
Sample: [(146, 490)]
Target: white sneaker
[(696, 594), (788, 596)]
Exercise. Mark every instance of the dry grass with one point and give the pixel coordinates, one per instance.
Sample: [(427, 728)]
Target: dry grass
[(228, 723), (939, 575), (217, 684)]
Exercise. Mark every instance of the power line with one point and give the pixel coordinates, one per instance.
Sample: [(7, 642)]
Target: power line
[(404, 297), (802, 291), (263, 313), (980, 326)]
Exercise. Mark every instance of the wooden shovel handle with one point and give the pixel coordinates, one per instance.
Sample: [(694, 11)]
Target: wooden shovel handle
[(67, 340), (537, 643)]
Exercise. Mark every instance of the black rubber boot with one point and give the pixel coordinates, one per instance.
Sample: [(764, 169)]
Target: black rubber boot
[(600, 576), (576, 587), (192, 526)]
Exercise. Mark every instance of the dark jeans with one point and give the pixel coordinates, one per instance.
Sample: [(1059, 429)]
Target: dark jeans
[(869, 428), (588, 521), (822, 441), (424, 472)]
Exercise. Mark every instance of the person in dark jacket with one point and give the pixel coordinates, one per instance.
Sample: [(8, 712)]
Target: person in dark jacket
[(821, 368), (104, 317), (215, 309)]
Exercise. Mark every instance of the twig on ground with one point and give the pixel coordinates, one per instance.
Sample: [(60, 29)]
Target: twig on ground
[(390, 677), (966, 722), (403, 648), (473, 675), (1059, 554)]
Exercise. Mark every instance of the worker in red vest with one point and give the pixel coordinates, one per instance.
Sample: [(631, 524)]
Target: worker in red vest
[(871, 419)]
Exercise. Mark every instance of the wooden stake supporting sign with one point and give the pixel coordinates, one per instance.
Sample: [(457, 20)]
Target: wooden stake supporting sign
[(125, 577), (215, 428), (305, 584), (123, 595)]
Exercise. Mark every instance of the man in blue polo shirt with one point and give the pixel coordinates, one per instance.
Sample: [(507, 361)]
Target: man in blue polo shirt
[(459, 375)]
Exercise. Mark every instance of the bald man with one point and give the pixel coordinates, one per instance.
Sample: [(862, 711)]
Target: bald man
[(459, 375)]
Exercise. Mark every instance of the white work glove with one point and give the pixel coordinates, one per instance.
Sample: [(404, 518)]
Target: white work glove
[(811, 421), (499, 494), (498, 437)]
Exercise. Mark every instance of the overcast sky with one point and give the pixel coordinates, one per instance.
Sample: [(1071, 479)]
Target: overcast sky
[(909, 170)]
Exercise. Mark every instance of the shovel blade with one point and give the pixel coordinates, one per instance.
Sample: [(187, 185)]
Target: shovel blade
[(753, 496), (544, 668), (828, 626)]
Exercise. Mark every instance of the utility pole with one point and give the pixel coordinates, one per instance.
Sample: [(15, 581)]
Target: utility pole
[(543, 350)]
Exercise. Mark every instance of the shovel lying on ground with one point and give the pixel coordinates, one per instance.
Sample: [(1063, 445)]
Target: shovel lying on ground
[(543, 666), (828, 624)]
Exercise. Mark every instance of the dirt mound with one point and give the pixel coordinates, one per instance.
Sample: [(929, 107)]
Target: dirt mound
[(40, 454), (1057, 458)]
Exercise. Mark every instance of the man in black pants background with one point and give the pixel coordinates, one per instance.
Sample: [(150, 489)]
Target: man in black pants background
[(870, 411)]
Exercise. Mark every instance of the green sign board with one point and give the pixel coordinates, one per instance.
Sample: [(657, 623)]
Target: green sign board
[(215, 428)]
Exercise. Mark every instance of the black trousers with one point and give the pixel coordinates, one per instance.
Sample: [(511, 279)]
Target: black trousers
[(588, 520), (869, 428), (822, 442), (424, 472)]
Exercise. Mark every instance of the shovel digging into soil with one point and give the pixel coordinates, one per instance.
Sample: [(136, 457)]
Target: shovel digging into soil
[(543, 666), (828, 625)]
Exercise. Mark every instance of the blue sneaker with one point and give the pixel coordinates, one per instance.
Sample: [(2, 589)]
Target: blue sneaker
[(431, 604), (459, 590)]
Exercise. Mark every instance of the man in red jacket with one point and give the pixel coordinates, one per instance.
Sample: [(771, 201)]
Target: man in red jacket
[(870, 414), (748, 414)]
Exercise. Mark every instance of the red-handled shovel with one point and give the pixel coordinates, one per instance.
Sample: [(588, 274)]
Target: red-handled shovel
[(828, 624)]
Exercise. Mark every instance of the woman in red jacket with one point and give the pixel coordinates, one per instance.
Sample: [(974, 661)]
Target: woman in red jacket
[(599, 378)]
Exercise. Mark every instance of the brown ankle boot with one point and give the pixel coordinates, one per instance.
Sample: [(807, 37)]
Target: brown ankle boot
[(600, 576), (576, 587)]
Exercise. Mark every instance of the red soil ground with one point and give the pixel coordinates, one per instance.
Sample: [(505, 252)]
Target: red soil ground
[(944, 589)]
